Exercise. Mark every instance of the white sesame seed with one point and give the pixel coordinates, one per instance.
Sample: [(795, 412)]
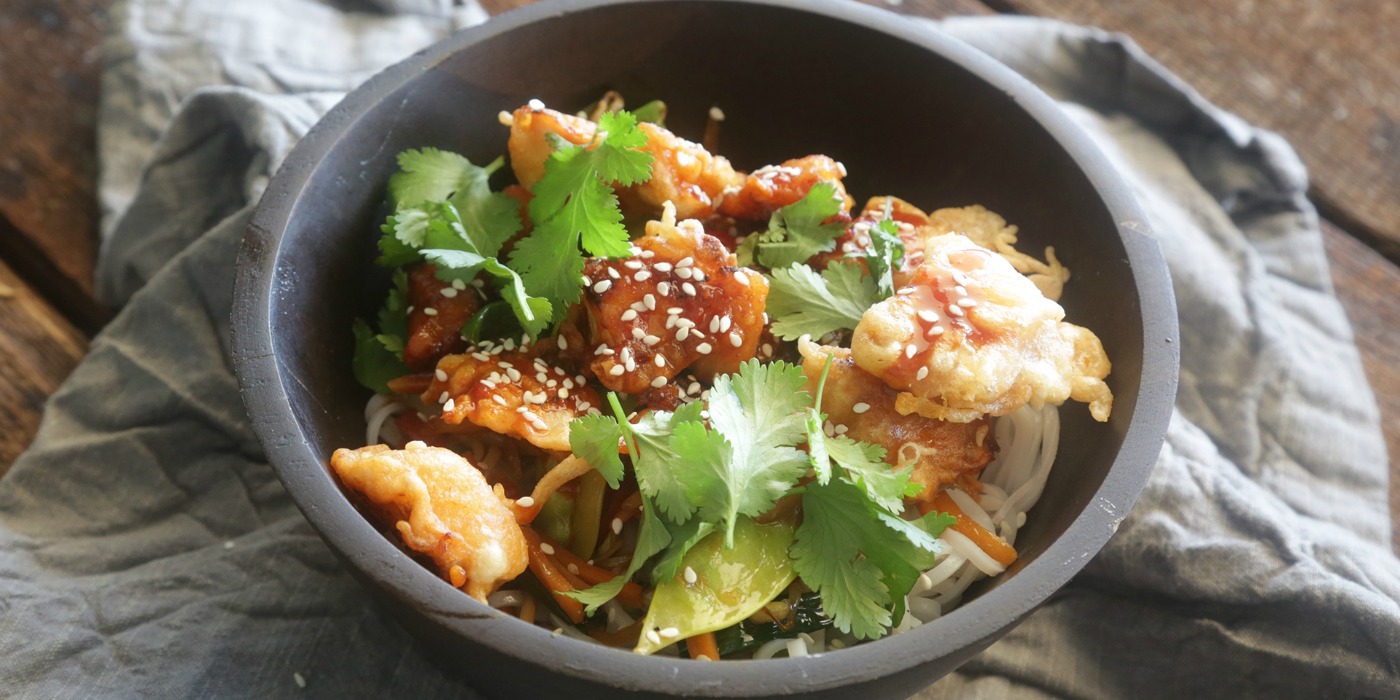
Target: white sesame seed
[(687, 323), (725, 322), (447, 407), (928, 316), (448, 293), (960, 290), (514, 374), (602, 286), (694, 388), (459, 285), (429, 311), (674, 310), (545, 547), (633, 264), (541, 377), (663, 288), (653, 637), (767, 349), (443, 397), (568, 383), (955, 310), (631, 365), (687, 261), (662, 267), (741, 277), (536, 106), (638, 333), (841, 429), (688, 288), (480, 356), (936, 330), (617, 370), (684, 273), (735, 339), (658, 382), (861, 407), (613, 274), (659, 360), (441, 375), (690, 576), (670, 632), (923, 374), (651, 340), (602, 350), (300, 680), (650, 302), (910, 350), (497, 398), (617, 526), (646, 254), (697, 332), (503, 364), (573, 568), (416, 445), (540, 425), (714, 324), (642, 276), (586, 281), (703, 348), (683, 333), (699, 276), (563, 343), (967, 302)]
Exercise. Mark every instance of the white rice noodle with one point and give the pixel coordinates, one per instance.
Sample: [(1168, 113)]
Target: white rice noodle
[(909, 622), (970, 508), (970, 551), (378, 428), (567, 628), (797, 646), (770, 648), (1011, 485), (617, 617)]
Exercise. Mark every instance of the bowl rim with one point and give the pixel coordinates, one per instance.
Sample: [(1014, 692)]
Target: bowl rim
[(263, 386)]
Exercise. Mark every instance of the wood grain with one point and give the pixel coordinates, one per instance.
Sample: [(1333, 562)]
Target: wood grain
[(1368, 286), (1324, 74), (48, 161), (39, 349)]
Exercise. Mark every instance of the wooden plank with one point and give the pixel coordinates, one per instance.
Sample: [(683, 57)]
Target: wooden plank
[(1323, 74), (48, 161), (1369, 286), (40, 349)]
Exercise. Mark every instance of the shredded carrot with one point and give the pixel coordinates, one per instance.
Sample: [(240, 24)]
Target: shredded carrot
[(987, 541), (703, 645), (562, 473), (631, 594), (553, 577)]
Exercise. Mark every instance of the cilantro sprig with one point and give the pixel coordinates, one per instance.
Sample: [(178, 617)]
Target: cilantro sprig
[(574, 205), (798, 231), (803, 302)]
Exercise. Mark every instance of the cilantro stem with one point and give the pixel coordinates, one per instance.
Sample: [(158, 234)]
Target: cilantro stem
[(623, 424), (821, 384)]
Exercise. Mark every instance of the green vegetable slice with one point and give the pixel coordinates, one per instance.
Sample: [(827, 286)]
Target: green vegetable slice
[(730, 583)]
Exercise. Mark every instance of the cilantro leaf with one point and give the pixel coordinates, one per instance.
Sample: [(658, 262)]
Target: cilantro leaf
[(683, 537), (826, 553), (393, 315), (656, 457), (796, 232), (816, 439), (862, 560), (533, 312), (593, 438), (652, 537), (489, 218), (575, 205), (865, 465), (884, 256), (748, 459), (374, 363), (802, 302)]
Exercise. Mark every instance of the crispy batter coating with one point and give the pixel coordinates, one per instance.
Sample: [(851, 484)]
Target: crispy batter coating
[(987, 229), (439, 312), (682, 172), (940, 452), (970, 335), (443, 508), (772, 187), (681, 298), (513, 392)]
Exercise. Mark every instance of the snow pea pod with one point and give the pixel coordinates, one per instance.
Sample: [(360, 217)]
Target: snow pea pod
[(729, 584)]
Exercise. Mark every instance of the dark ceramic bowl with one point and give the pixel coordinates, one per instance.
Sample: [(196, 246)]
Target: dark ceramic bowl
[(909, 111)]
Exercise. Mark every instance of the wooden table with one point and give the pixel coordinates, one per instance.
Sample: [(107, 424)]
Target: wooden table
[(1325, 75)]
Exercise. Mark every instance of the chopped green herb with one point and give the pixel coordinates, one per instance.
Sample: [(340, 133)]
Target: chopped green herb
[(801, 302), (798, 231)]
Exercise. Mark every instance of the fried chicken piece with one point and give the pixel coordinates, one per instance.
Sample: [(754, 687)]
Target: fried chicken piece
[(512, 391), (443, 508), (773, 187), (439, 310), (940, 452), (680, 302), (987, 229), (682, 172), (970, 335)]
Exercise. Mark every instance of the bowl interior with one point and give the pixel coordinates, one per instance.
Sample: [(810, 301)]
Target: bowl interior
[(921, 124)]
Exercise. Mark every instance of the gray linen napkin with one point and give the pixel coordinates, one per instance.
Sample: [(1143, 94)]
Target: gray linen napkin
[(146, 549)]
